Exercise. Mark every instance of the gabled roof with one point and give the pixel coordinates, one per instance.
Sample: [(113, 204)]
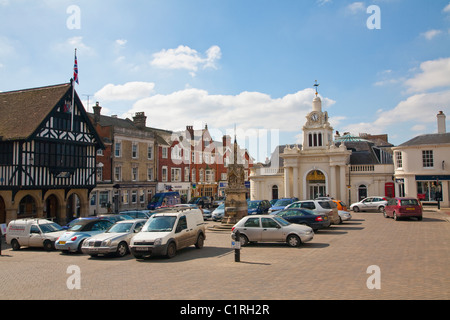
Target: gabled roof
[(22, 111), (428, 139)]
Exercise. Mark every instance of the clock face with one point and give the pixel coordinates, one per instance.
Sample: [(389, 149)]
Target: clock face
[(314, 117)]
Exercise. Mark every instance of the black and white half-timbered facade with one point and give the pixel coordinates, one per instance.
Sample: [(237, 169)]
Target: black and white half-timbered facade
[(47, 154)]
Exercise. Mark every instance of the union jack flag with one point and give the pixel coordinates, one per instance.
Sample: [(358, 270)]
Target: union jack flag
[(75, 69)]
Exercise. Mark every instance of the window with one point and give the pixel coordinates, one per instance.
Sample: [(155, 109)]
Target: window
[(252, 223), (194, 175), (118, 173), (399, 159), (149, 174), (176, 174), (427, 158), (134, 196), (125, 197), (134, 174), (268, 223), (186, 174), (182, 224), (118, 149), (134, 150), (164, 152), (150, 152), (164, 174), (209, 176), (103, 198), (99, 173)]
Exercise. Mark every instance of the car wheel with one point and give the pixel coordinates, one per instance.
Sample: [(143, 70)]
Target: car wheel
[(243, 240), (15, 245), (137, 255), (385, 214), (356, 209), (395, 216), (171, 250), (48, 245), (79, 246), (122, 249), (200, 241), (381, 209), (293, 240)]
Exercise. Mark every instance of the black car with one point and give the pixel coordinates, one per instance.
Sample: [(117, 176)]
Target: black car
[(307, 217)]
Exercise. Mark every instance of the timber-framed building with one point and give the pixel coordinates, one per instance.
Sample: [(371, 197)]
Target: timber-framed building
[(47, 154)]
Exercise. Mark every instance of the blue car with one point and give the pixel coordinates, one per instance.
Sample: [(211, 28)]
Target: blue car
[(281, 204), (258, 206), (82, 229), (306, 217)]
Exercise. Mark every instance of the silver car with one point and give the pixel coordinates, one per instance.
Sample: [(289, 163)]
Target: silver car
[(369, 204), (115, 240), (270, 228)]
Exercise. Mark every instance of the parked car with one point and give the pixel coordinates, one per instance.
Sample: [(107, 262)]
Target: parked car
[(137, 214), (258, 206), (340, 205), (306, 217), (33, 233), (271, 228), (115, 217), (219, 212), (168, 231), (73, 238), (403, 208), (218, 201), (114, 240), (344, 215), (320, 206), (369, 204), (203, 202), (281, 204), (74, 221)]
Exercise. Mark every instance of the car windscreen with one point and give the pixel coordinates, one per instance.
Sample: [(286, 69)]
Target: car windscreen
[(253, 204), (120, 228), (50, 227), (160, 224), (281, 221), (157, 198), (280, 203)]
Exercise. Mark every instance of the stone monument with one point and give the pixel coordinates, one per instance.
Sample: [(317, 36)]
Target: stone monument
[(236, 201)]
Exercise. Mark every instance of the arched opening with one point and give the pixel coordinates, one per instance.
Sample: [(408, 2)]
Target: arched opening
[(73, 208), (362, 192), (27, 208), (51, 206), (274, 192), (316, 184)]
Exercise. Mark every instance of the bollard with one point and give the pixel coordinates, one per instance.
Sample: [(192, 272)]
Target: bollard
[(236, 244)]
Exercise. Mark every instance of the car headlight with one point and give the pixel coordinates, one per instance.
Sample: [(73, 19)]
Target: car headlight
[(158, 242), (106, 243)]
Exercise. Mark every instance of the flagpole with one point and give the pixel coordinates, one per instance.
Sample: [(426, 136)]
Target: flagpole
[(73, 93)]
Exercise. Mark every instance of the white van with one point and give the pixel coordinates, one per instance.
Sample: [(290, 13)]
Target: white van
[(33, 233), (169, 230)]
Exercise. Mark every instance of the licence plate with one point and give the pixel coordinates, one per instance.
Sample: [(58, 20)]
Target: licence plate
[(411, 209), (141, 249), (62, 242)]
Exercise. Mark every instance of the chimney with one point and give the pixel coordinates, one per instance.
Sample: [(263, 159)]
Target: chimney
[(441, 122), (97, 110), (140, 120), (190, 129)]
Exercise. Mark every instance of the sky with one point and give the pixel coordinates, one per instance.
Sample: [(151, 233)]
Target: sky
[(383, 65)]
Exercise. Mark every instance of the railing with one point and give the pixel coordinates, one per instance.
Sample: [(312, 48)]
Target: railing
[(362, 168)]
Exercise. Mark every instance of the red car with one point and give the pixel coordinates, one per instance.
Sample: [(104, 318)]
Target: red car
[(403, 208)]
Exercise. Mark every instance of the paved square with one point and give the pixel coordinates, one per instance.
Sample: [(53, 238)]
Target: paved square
[(413, 257)]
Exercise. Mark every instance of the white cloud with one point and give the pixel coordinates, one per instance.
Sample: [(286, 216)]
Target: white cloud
[(186, 58), (249, 110), (129, 91), (121, 42), (75, 43), (430, 34), (435, 74), (356, 7), (447, 8)]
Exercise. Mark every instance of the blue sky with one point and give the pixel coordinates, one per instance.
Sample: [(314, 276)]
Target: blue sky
[(249, 63)]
